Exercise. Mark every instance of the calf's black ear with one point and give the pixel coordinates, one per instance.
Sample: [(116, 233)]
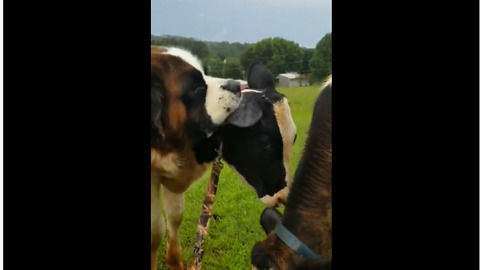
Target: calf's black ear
[(260, 77)]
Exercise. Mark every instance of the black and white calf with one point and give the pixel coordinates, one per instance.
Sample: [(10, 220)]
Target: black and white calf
[(257, 139)]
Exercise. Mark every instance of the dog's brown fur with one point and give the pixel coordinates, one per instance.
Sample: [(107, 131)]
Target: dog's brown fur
[(173, 163)]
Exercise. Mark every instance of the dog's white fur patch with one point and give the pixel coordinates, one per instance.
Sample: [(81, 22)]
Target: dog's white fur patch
[(186, 56)]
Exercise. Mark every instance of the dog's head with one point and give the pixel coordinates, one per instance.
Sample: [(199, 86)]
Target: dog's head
[(185, 103), (258, 137)]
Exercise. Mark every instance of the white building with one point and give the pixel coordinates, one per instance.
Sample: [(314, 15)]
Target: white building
[(291, 79)]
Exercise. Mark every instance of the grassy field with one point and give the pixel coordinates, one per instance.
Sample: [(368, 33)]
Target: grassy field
[(236, 229)]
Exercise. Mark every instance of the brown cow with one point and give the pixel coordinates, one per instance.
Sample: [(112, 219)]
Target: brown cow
[(308, 211)]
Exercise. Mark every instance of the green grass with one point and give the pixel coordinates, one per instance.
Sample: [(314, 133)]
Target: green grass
[(237, 227)]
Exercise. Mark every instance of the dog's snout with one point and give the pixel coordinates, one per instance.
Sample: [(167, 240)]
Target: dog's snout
[(232, 86)]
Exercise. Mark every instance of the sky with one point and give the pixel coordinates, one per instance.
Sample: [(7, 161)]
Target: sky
[(302, 21)]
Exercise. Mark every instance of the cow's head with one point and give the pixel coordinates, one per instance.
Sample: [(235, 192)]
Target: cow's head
[(273, 254), (258, 137)]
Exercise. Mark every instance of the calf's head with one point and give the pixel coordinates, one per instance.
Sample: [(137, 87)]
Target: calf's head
[(258, 137)]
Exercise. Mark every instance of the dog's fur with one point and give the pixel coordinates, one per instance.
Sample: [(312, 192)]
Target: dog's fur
[(186, 108)]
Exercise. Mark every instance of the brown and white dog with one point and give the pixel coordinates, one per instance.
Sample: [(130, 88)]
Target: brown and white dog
[(192, 114), (186, 107)]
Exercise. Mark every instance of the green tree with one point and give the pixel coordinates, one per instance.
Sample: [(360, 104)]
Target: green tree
[(247, 58), (232, 68), (278, 54), (225, 49), (197, 47), (214, 67), (321, 62), (307, 55)]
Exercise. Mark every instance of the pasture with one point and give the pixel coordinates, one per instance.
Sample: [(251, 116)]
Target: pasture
[(234, 226)]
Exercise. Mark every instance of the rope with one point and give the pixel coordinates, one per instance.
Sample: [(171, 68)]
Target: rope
[(204, 219)]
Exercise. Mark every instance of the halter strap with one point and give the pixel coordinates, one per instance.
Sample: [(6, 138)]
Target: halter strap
[(251, 91), (293, 242)]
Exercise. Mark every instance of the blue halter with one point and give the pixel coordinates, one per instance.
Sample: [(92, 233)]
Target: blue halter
[(293, 242)]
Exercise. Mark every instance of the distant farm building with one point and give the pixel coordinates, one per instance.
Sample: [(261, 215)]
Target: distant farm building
[(292, 79)]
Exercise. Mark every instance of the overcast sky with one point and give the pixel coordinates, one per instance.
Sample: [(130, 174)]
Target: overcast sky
[(302, 21)]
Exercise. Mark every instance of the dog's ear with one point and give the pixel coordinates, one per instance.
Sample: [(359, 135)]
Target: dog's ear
[(248, 112), (269, 219), (157, 108), (260, 77)]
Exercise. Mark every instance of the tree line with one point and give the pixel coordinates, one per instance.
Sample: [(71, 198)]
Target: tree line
[(231, 60)]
